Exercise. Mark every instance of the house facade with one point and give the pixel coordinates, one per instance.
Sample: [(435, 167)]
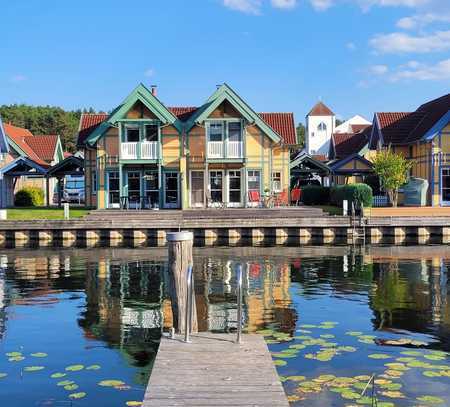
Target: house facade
[(147, 155), (422, 136)]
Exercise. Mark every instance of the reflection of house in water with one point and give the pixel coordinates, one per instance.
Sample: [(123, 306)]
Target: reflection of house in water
[(123, 308), (265, 291)]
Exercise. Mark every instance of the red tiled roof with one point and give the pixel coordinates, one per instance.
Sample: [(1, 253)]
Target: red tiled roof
[(88, 123), (21, 137), (182, 112), (43, 146), (346, 144), (320, 109), (283, 124), (396, 126)]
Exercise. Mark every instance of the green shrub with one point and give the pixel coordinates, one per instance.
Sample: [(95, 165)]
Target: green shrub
[(352, 193), (315, 195), (29, 196)]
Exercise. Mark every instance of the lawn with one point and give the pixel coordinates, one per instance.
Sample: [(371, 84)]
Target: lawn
[(43, 213)]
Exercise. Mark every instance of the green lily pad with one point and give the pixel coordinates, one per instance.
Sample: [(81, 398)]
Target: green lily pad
[(279, 362), (430, 373), (411, 353), (325, 378), (359, 385), (296, 378), (79, 395), (39, 355), (74, 368), (346, 349), (114, 383), (16, 359), (134, 403), (283, 355), (379, 356), (308, 326), (350, 395), (33, 368), (58, 375), (272, 341), (2, 375), (65, 383), (71, 387), (430, 399), (354, 333), (365, 400), (396, 366), (265, 332), (391, 386), (327, 336), (418, 363), (405, 360), (14, 354), (434, 357), (93, 367)]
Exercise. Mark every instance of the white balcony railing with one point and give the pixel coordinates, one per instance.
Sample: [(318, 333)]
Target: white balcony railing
[(149, 150), (215, 149), (234, 149), (128, 151)]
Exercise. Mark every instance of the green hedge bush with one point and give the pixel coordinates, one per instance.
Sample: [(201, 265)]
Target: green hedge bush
[(29, 196), (352, 193), (315, 195)]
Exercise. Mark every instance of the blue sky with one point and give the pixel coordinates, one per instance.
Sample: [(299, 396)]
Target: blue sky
[(358, 56)]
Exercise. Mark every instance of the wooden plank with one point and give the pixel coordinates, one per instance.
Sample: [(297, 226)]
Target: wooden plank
[(214, 371)]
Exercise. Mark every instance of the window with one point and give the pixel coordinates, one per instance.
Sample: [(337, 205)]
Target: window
[(234, 183), (254, 180), (234, 131), (216, 185), (132, 134), (276, 181), (151, 132), (322, 127), (151, 183), (215, 131), (94, 182), (113, 189)]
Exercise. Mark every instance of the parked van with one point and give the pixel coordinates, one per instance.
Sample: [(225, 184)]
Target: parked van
[(73, 190)]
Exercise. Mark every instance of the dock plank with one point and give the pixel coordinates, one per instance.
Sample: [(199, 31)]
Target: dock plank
[(214, 371)]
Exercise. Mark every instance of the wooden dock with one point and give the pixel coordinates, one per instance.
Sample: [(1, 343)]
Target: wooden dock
[(214, 371)]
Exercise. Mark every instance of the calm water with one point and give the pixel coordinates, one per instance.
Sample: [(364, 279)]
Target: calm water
[(332, 316)]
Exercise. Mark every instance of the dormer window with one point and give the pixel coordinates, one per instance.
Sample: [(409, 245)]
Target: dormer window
[(322, 127), (216, 130), (132, 134)]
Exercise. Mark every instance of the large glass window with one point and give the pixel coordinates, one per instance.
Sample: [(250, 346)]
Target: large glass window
[(215, 131), (132, 134), (234, 182), (216, 186), (446, 185), (134, 187), (254, 180), (151, 188), (151, 132), (234, 131), (113, 189)]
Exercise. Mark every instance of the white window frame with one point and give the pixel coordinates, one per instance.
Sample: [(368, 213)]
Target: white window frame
[(280, 177)]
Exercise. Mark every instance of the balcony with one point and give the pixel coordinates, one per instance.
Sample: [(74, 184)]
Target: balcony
[(230, 149), (146, 150)]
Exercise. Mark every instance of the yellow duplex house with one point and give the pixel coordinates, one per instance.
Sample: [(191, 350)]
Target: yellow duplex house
[(146, 155)]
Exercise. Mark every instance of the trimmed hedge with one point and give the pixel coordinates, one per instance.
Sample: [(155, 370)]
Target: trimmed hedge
[(29, 196), (315, 195), (352, 193)]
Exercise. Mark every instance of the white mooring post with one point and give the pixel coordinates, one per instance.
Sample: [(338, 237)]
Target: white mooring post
[(180, 246), (3, 214), (345, 207), (66, 211)]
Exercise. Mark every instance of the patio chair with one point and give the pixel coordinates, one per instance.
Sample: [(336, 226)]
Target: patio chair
[(254, 197), (296, 194), (281, 199)]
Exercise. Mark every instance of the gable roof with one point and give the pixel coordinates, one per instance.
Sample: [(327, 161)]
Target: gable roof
[(145, 96), (283, 124), (308, 164), (336, 166), (183, 112), (320, 109), (88, 123), (24, 166), (345, 144), (44, 146), (4, 147)]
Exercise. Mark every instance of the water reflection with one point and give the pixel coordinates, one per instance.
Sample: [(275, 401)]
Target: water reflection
[(109, 306)]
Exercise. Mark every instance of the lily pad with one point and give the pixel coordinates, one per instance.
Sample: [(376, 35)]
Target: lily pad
[(393, 394), (430, 399), (397, 366), (434, 357), (350, 395), (16, 359), (411, 353), (2, 375), (65, 383), (308, 326), (277, 363), (354, 333), (74, 368), (79, 395), (14, 354), (114, 383), (394, 373), (58, 375), (71, 387), (379, 356), (365, 400), (346, 348), (430, 373), (33, 368), (39, 355), (93, 367), (327, 336), (296, 378), (325, 378)]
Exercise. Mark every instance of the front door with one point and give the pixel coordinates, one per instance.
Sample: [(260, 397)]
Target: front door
[(134, 189), (234, 188), (445, 192), (197, 189), (171, 190)]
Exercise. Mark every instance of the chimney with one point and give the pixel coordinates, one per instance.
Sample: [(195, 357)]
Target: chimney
[(154, 90)]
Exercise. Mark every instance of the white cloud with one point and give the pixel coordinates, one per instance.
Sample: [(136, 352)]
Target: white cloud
[(423, 72), (18, 78), (284, 4), (379, 69), (421, 20), (149, 72), (398, 43), (351, 46), (245, 6), (322, 5)]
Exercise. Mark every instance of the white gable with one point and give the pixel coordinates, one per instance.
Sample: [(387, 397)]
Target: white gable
[(346, 127)]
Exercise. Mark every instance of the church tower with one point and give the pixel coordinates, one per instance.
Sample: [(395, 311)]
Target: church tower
[(320, 125)]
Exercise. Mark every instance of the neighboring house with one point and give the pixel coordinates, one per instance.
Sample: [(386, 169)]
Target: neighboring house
[(35, 152), (145, 154), (422, 136)]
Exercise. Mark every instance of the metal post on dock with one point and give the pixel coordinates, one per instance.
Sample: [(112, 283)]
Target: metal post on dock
[(239, 302), (184, 311), (66, 211)]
